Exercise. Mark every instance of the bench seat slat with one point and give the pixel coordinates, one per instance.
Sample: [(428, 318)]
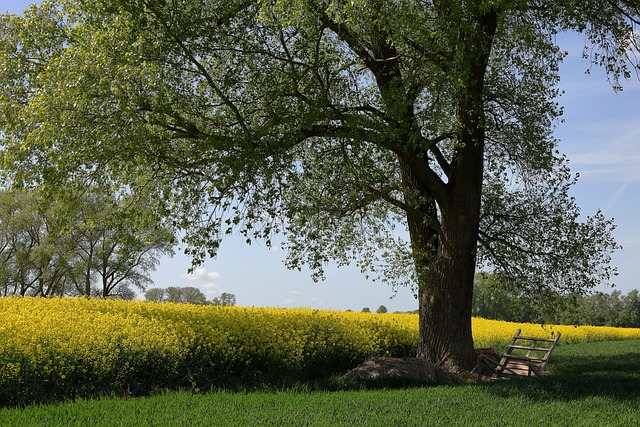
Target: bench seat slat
[(523, 358), (524, 347), (520, 337)]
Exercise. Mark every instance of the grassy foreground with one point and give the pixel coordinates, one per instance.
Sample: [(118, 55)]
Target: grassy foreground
[(593, 384)]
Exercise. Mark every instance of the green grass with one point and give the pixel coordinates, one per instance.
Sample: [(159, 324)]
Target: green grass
[(594, 384)]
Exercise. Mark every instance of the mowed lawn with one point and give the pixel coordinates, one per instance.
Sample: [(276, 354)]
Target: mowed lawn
[(593, 384)]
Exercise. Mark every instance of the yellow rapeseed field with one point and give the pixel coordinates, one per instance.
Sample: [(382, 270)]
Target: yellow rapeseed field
[(53, 348), (497, 333)]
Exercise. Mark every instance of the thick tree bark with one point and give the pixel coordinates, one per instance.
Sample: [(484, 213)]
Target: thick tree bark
[(446, 292), (445, 264)]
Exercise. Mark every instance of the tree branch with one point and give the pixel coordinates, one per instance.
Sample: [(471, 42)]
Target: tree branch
[(435, 150)]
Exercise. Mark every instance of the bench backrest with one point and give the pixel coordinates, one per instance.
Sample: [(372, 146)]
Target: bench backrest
[(526, 356)]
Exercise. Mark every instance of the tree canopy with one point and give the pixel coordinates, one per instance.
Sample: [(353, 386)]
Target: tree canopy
[(343, 125)]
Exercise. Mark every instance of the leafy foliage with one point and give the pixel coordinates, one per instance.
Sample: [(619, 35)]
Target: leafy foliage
[(225, 299), (36, 258), (282, 120), (494, 299)]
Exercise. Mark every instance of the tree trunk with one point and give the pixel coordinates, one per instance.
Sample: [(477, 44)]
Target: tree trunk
[(445, 298), (446, 285)]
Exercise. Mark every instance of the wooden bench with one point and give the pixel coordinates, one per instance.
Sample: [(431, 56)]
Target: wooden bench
[(525, 356)]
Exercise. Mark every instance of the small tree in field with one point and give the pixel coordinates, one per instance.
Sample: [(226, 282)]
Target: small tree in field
[(116, 249), (225, 298), (382, 309)]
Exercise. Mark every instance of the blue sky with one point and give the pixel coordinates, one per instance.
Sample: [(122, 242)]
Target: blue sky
[(600, 136)]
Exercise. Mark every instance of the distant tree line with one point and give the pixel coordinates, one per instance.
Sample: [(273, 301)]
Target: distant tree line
[(187, 295), (495, 299), (88, 245)]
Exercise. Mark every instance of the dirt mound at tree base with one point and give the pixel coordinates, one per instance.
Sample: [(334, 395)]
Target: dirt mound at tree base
[(410, 368)]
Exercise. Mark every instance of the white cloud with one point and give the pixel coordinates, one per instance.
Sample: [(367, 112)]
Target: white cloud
[(209, 287), (201, 273), (288, 301), (297, 293)]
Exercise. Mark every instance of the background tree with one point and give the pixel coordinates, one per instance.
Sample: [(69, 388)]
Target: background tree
[(630, 316), (117, 244), (185, 295), (36, 258), (85, 247), (382, 309), (493, 298), (225, 298), (154, 294), (13, 220), (328, 120)]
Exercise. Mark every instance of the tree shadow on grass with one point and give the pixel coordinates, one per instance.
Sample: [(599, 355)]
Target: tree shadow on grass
[(576, 376)]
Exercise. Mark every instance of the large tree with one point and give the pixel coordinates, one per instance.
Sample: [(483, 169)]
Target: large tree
[(331, 121)]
